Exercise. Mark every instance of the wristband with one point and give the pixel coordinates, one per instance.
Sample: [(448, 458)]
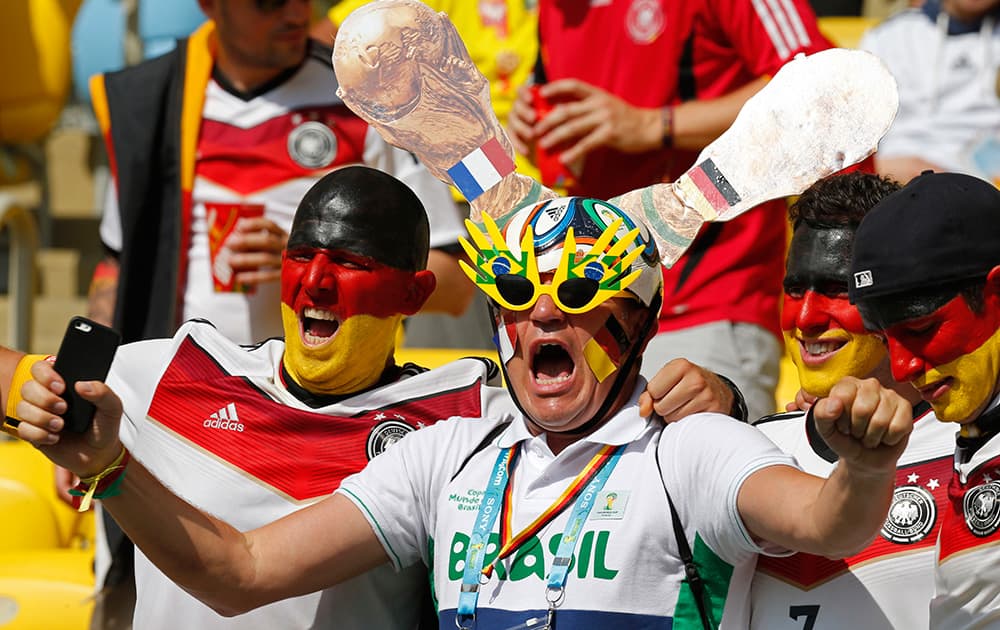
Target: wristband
[(22, 374), (667, 132), (739, 408), (104, 484)]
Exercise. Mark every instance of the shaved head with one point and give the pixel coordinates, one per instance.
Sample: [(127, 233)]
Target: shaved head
[(367, 212)]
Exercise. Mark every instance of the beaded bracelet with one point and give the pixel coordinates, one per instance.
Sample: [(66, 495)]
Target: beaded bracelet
[(105, 484)]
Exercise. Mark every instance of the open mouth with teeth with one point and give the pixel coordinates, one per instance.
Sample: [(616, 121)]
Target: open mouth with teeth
[(318, 326), (552, 365), (814, 352)]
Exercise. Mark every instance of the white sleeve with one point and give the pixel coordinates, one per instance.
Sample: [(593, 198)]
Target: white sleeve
[(705, 459), (443, 214), (134, 376), (398, 490), (111, 222)]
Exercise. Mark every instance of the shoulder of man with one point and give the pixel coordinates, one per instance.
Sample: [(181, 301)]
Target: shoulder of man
[(319, 51), (164, 65)]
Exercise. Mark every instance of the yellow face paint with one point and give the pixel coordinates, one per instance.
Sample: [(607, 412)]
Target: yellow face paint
[(973, 382), (353, 360), (860, 355)]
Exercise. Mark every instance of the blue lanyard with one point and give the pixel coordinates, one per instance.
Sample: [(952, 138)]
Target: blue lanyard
[(489, 509), (567, 545)]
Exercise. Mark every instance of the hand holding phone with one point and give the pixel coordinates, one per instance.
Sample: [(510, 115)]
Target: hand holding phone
[(85, 354)]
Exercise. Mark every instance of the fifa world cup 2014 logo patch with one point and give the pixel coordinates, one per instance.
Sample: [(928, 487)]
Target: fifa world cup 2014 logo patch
[(982, 509), (911, 515)]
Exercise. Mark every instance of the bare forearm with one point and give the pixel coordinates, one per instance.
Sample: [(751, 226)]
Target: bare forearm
[(696, 123), (833, 517), (850, 509), (204, 555), (231, 571)]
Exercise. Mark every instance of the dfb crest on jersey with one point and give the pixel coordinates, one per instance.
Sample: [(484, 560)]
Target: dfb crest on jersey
[(645, 20), (385, 434), (911, 516), (312, 145), (982, 509)]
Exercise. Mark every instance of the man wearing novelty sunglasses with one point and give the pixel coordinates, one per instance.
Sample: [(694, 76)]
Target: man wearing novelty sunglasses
[(511, 512)]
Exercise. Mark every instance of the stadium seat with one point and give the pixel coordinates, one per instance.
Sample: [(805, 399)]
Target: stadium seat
[(98, 42), (35, 79), (46, 590), (29, 520), (163, 22), (22, 464)]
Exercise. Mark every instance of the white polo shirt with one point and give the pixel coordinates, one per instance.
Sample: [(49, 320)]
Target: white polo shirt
[(626, 571)]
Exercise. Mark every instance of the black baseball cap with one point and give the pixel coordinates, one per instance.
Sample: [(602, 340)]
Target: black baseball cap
[(939, 229)]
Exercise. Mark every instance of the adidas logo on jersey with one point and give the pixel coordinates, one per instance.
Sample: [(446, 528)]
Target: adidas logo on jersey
[(225, 419)]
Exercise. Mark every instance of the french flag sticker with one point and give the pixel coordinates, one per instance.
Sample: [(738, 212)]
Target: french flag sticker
[(481, 170)]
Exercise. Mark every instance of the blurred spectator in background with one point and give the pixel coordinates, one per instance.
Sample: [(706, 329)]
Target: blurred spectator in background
[(945, 56), (619, 122), (502, 38), (211, 146)]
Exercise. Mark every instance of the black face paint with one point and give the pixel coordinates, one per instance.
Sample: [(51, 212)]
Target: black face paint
[(819, 260), (366, 212), (266, 6), (882, 312)]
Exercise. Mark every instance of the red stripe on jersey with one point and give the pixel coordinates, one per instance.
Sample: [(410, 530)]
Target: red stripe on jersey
[(301, 454), (806, 571), (254, 159), (956, 536)]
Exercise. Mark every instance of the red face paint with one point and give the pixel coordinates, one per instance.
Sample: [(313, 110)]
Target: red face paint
[(813, 312), (343, 283), (948, 333)]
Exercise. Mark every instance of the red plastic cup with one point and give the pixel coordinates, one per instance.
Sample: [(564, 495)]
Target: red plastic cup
[(222, 219), (554, 172)]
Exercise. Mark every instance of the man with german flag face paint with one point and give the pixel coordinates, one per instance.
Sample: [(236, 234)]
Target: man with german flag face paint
[(827, 340), (345, 286), (502, 505), (926, 272)]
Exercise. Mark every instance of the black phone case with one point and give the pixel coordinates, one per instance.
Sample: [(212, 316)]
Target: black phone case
[(85, 354)]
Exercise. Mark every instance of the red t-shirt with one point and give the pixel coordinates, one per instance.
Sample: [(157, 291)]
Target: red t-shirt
[(657, 52)]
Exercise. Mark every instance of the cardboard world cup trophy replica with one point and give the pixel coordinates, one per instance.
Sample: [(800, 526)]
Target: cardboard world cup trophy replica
[(404, 69)]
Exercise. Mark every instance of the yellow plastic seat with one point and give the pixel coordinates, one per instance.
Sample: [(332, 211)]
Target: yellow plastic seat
[(46, 590), (35, 76), (29, 521), (20, 462)]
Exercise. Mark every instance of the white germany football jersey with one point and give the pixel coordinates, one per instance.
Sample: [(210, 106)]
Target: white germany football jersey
[(968, 554), (888, 585), (215, 424)]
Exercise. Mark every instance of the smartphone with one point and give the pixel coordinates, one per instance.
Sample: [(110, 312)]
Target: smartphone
[(85, 354)]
